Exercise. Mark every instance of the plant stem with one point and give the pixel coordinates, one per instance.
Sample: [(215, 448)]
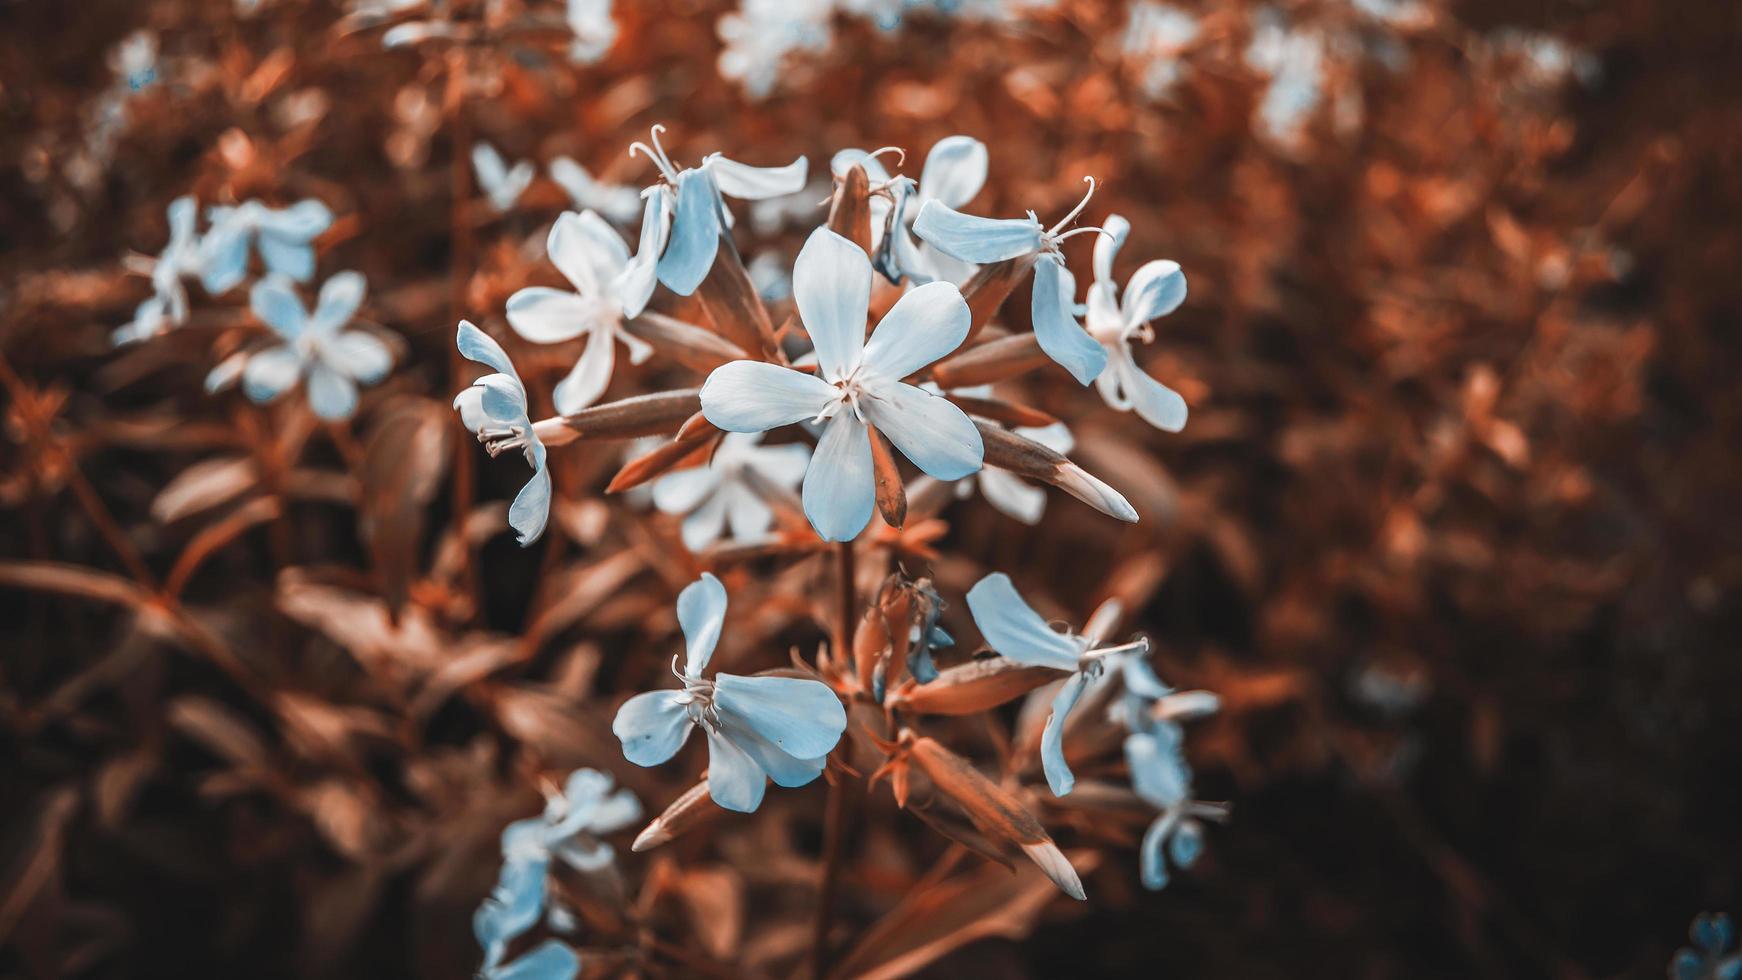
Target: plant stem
[(835, 809), (459, 274)]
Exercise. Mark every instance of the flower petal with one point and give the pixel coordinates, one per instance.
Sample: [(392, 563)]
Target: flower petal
[(751, 396), (550, 316), (843, 161), (549, 960), (955, 170), (340, 296), (1156, 289), (586, 251), (1107, 245), (682, 491), (735, 781), (531, 508), (224, 254), (831, 283), (274, 300), (361, 356), (705, 523), (1014, 630), (701, 612), (748, 183), (590, 376), (476, 345), (1052, 749), (300, 222), (1155, 402), (1057, 330), (1158, 771), (924, 325), (838, 492), (1012, 496), (1152, 852), (652, 727), (286, 257), (975, 239), (695, 234), (785, 769), (802, 717), (927, 428), (270, 373), (635, 283), (749, 516), (783, 465), (331, 395)]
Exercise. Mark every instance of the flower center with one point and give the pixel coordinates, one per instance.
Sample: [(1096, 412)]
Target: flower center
[(500, 439), (848, 391), (698, 701)]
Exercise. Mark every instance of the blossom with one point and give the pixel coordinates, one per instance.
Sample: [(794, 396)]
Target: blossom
[(1155, 33), (781, 728), (285, 237), (591, 256), (729, 490), (860, 384), (594, 30), (1713, 955), (495, 409), (619, 203), (1154, 290), (502, 185), (983, 240), (330, 360), (572, 821), (1160, 775), (1016, 632), (680, 226), (954, 172), (168, 304)]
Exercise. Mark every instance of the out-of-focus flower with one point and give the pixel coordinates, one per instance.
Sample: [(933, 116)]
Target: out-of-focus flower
[(1016, 632), (1160, 776), (168, 305), (760, 35), (134, 60), (758, 728), (495, 409), (1713, 956), (728, 491), (680, 228), (591, 256), (594, 30), (861, 384), (330, 360), (502, 185), (1155, 33), (285, 237), (954, 172), (1156, 289), (619, 203), (983, 240), (573, 820), (768, 272), (1294, 60)]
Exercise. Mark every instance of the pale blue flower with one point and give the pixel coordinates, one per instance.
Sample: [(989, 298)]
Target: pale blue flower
[(758, 728), (619, 203), (594, 30), (985, 240), (1156, 289), (285, 237), (860, 384), (495, 409), (954, 172), (168, 304), (502, 185), (680, 228), (729, 490), (330, 360), (1713, 955), (1294, 58), (591, 256), (1016, 632)]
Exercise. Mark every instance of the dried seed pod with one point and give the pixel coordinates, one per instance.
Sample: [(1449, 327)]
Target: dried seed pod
[(988, 288), (1025, 457), (850, 208), (729, 295), (972, 687), (692, 446), (655, 414), (891, 497), (684, 814), (992, 361), (694, 347), (1005, 412)]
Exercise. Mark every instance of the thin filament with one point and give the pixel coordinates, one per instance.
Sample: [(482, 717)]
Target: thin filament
[(1076, 210)]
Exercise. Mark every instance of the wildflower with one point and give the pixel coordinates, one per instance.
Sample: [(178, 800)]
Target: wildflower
[(617, 202), (984, 240), (1154, 290), (168, 303), (1016, 632), (1713, 955), (502, 185), (1160, 775), (572, 822), (954, 172), (594, 30), (494, 408), (1154, 35), (680, 227), (761, 33), (860, 385), (729, 490), (782, 728), (591, 256), (285, 236), (317, 350)]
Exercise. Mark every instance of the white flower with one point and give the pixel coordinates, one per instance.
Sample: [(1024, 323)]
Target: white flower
[(285, 235), (729, 490), (494, 409), (591, 256), (619, 203), (168, 305), (1154, 290), (594, 30), (502, 185), (1154, 35), (954, 172), (758, 728), (680, 228), (572, 823), (330, 360), (861, 384)]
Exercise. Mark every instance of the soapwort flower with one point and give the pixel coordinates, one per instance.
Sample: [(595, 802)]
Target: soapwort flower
[(1156, 289), (330, 360), (860, 385), (619, 203), (285, 237), (729, 490), (985, 240), (1016, 632), (502, 185), (758, 728), (594, 30), (495, 409), (168, 304), (591, 256), (954, 172), (684, 213), (572, 823)]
